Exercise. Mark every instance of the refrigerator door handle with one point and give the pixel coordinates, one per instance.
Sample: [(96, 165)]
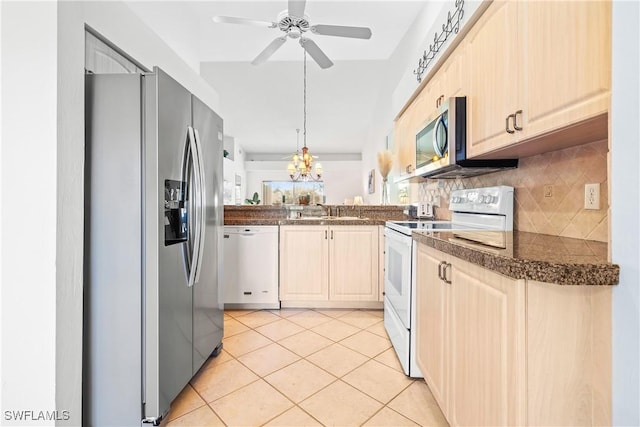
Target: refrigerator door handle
[(203, 204), (196, 191)]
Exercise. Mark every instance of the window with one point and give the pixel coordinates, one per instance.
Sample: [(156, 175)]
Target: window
[(289, 192)]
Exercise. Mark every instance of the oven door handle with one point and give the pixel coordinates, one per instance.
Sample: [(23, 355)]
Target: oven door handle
[(397, 237)]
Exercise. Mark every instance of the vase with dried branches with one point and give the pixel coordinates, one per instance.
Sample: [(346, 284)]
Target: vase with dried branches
[(385, 161)]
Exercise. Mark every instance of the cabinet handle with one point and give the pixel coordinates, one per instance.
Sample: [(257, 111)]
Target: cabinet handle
[(440, 275), (447, 267), (515, 120), (506, 126), (331, 234), (325, 234)]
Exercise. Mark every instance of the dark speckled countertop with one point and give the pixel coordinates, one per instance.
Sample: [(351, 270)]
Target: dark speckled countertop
[(531, 256), (304, 221)]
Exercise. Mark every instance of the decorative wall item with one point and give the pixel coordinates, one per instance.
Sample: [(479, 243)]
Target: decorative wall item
[(372, 181), (385, 161), (451, 26)]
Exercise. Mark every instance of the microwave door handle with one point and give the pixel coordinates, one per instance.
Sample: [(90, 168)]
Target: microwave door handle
[(439, 148), (195, 189), (202, 204)]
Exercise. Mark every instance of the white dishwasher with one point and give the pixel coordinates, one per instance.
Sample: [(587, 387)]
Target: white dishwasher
[(251, 267)]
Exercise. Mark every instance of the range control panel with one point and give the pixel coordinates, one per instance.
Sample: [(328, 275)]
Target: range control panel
[(489, 200)]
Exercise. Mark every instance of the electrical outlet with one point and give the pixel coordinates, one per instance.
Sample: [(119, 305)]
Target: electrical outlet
[(425, 210), (592, 196)]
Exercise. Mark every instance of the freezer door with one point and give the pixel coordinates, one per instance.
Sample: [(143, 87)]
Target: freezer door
[(168, 304), (207, 301)]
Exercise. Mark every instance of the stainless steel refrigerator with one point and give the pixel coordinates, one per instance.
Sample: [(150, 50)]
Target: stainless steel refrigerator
[(153, 244)]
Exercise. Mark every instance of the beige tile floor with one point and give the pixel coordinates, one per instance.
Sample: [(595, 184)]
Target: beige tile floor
[(304, 368)]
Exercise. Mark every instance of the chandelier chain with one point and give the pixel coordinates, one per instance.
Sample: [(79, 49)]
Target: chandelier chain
[(304, 101)]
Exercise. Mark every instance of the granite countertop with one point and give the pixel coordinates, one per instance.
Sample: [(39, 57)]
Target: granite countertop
[(332, 221), (302, 221), (551, 259)]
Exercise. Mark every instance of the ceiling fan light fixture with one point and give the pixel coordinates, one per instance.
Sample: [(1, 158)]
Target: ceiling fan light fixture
[(295, 33)]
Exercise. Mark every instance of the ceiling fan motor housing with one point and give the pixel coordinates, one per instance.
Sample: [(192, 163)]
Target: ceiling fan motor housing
[(293, 25)]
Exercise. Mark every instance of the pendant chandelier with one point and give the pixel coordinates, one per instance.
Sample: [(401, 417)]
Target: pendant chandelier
[(301, 167)]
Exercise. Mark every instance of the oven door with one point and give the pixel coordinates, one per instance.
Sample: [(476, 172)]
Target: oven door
[(397, 274)]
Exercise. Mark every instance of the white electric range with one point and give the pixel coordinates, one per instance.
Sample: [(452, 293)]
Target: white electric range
[(474, 212)]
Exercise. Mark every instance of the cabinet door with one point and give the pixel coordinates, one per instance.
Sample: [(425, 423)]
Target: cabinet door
[(406, 143), (304, 263), (488, 348), (431, 323), (353, 263), (568, 46), (400, 149), (452, 75), (495, 86), (381, 246)]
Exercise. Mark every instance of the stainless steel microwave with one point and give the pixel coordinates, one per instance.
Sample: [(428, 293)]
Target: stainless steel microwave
[(441, 145)]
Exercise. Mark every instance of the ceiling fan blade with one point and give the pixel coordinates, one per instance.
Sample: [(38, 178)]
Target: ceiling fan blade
[(316, 53), (296, 8), (269, 50), (245, 21), (342, 31)]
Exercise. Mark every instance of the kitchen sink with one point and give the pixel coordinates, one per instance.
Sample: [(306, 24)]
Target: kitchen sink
[(330, 218)]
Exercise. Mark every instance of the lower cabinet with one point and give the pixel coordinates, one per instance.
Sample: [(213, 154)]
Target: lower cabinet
[(487, 346), (498, 351), (432, 326), (337, 265)]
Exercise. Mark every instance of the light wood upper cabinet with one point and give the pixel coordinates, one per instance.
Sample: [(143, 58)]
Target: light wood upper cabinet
[(568, 75), (495, 56), (487, 315), (536, 67), (321, 263), (453, 78), (304, 262), (353, 263), (432, 305)]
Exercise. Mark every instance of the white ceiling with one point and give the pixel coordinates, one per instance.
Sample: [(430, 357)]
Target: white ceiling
[(262, 105)]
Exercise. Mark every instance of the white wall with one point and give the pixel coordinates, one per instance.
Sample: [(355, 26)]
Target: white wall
[(29, 187), (42, 173), (341, 178), (625, 211)]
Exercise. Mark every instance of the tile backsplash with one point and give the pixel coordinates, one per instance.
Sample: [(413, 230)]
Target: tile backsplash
[(564, 172)]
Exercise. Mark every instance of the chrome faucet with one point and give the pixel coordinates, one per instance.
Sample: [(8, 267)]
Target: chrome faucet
[(325, 208)]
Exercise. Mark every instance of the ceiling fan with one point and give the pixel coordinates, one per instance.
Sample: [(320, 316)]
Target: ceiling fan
[(294, 23)]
